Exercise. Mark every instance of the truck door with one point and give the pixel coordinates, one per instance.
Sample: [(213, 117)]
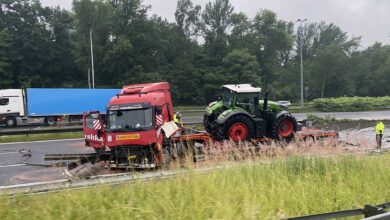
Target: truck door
[(4, 105), (93, 128)]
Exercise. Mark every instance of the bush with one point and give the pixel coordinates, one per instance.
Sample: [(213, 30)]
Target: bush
[(351, 103)]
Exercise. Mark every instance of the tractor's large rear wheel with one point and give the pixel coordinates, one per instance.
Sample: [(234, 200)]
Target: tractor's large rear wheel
[(237, 128), (284, 127)]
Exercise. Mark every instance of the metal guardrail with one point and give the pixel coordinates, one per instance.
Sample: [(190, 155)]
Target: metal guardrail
[(39, 130), (107, 179), (35, 130), (369, 212), (68, 127), (192, 111)]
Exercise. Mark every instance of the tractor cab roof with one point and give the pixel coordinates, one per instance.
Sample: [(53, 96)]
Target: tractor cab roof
[(242, 88)]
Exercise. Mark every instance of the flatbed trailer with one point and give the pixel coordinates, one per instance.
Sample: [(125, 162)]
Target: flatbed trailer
[(305, 134)]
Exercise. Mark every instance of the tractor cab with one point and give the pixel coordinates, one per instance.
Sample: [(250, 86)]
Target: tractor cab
[(241, 96)]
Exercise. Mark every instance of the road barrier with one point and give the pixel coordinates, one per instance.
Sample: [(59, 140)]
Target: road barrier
[(70, 127), (369, 212), (40, 130)]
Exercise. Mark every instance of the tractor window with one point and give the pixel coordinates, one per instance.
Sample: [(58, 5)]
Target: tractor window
[(245, 98), (246, 101), (4, 101), (227, 97)]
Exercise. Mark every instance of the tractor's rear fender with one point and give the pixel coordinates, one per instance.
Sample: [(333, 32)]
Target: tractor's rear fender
[(270, 117), (277, 115), (229, 113), (297, 126)]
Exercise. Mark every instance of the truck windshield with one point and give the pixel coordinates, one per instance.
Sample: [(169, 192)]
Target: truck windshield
[(130, 120)]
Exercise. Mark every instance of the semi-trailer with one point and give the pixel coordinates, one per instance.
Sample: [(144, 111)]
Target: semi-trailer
[(50, 105)]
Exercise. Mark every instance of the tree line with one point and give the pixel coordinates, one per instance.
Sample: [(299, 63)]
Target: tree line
[(204, 48)]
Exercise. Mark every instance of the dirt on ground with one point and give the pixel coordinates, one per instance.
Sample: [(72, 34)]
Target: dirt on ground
[(349, 124), (358, 132)]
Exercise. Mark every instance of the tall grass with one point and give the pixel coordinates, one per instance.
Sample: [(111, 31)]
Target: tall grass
[(280, 188)]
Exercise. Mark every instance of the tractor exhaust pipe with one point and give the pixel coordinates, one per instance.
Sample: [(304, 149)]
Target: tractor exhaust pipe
[(256, 105), (265, 104)]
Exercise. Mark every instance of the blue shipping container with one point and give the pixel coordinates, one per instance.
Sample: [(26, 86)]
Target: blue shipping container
[(42, 102)]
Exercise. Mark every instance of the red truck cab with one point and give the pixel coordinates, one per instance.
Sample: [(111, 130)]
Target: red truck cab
[(131, 127)]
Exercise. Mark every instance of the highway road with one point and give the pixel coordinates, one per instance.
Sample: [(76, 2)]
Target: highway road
[(13, 171)]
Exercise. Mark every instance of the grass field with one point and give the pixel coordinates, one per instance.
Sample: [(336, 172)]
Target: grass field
[(281, 188), (40, 137)]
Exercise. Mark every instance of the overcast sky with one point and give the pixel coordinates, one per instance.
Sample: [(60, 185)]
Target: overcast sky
[(367, 18)]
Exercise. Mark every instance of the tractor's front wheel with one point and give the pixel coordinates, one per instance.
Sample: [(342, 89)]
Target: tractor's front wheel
[(208, 124), (237, 128), (284, 127)]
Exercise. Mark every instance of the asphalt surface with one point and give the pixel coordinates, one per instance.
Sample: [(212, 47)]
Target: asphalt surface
[(14, 171)]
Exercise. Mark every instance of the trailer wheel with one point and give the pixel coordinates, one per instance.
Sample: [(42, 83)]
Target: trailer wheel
[(10, 121), (185, 153), (50, 121), (166, 157)]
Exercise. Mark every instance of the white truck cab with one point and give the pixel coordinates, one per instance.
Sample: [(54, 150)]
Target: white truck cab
[(12, 105)]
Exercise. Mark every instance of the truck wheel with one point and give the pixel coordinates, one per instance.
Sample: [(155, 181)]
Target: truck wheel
[(10, 121), (284, 127), (167, 153), (237, 128), (50, 121)]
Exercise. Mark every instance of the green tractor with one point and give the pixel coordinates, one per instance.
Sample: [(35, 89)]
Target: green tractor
[(241, 115)]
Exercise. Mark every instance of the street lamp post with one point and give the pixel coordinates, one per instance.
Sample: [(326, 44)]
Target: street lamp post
[(93, 70), (301, 43)]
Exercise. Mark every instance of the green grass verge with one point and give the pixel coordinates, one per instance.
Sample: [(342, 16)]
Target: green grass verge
[(40, 137), (189, 107), (351, 103), (326, 120), (342, 104), (290, 187)]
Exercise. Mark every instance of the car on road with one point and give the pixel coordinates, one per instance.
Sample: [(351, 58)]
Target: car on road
[(287, 103)]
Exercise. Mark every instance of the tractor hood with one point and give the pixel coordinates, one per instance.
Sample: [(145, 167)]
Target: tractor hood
[(213, 107), (274, 106)]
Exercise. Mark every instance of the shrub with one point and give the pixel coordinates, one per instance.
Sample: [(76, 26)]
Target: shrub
[(351, 103)]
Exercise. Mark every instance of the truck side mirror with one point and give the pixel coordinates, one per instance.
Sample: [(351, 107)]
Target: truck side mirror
[(158, 110), (99, 132)]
